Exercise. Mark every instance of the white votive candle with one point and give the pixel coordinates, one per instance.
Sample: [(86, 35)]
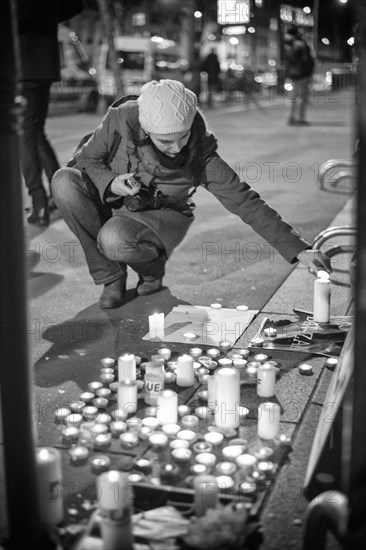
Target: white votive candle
[(189, 421), (126, 367), (187, 435), (227, 398), (266, 380), (127, 396), (167, 412), (165, 353), (189, 336), (213, 353), (208, 459), (181, 454), (156, 325), (195, 352), (49, 477), (206, 493), (268, 420), (113, 492), (322, 297), (246, 461), (215, 438), (185, 371)]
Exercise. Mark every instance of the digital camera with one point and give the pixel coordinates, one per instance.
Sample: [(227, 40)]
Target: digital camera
[(147, 198)]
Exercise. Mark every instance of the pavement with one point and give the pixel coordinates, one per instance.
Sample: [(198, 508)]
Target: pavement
[(69, 334)]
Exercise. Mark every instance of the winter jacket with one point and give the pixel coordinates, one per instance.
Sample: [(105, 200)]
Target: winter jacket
[(135, 153)]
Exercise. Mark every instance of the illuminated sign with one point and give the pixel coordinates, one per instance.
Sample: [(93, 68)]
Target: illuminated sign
[(234, 29), (233, 12), (290, 14)]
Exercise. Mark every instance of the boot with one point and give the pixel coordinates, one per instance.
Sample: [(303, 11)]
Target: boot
[(113, 294), (153, 280), (149, 285)]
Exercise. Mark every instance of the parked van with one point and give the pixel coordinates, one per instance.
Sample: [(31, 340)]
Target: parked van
[(78, 87), (141, 60)]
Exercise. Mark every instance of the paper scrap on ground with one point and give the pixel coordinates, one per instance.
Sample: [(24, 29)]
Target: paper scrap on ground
[(210, 325)]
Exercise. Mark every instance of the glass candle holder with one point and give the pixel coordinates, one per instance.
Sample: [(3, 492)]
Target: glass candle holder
[(246, 462), (94, 386), (119, 414), (183, 410), (169, 377), (198, 469), (87, 396), (108, 362), (202, 447), (114, 386), (166, 353), (74, 419), (71, 433), (104, 418), (102, 441), (195, 352), (77, 406), (151, 422), (207, 459), (100, 402), (128, 439), (213, 353), (144, 432), (98, 429), (90, 412), (225, 346), (231, 452), (189, 421), (78, 454), (104, 392), (181, 454), (225, 362), (61, 414), (151, 411)]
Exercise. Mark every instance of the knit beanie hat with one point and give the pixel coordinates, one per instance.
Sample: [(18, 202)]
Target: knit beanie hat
[(166, 107)]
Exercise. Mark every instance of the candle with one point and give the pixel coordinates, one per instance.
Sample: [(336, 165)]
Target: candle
[(202, 395), (49, 477), (104, 418), (227, 398), (225, 468), (208, 459), (113, 386), (215, 306), (266, 380), (71, 433), (244, 352), (151, 422), (248, 488), (260, 358), (126, 367), (171, 430), (143, 464), (77, 406), (144, 432), (100, 464), (202, 447), (242, 307), (78, 454), (179, 444), (189, 336), (225, 345), (74, 419), (93, 386), (106, 370), (154, 381), (187, 435), (266, 467), (203, 378), (170, 474), (61, 414), (134, 423), (246, 462), (114, 498), (107, 378), (165, 353), (213, 353), (215, 438), (189, 421), (268, 420), (104, 392), (129, 439), (304, 369), (197, 469), (168, 407), (200, 371), (206, 494), (172, 365), (283, 439), (117, 427), (240, 363), (100, 402), (108, 362), (102, 441), (156, 326), (243, 412), (87, 396), (195, 352), (183, 410), (203, 412), (151, 411), (97, 429), (158, 440), (322, 297), (225, 483), (127, 396), (169, 377), (257, 341), (185, 371), (119, 414), (232, 451), (225, 362), (181, 454), (233, 355), (331, 362), (270, 333)]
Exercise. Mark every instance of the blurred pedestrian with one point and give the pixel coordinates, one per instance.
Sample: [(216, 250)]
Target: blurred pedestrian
[(40, 66), (299, 69), (128, 198), (211, 66)]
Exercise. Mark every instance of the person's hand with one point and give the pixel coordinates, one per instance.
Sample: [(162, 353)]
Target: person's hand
[(124, 185), (315, 260)]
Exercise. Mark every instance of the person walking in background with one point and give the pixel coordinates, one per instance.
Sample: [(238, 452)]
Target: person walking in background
[(299, 69), (40, 66), (211, 66)]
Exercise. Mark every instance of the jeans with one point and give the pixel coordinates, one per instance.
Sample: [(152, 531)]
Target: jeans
[(299, 98), (36, 153), (110, 243)]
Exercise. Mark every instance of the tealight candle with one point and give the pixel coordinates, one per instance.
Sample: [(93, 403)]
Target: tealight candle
[(104, 418), (183, 410), (169, 377), (213, 353), (227, 397), (135, 478), (331, 363), (202, 395), (87, 396), (206, 494), (215, 438), (322, 289), (108, 362), (225, 362), (61, 414), (126, 367), (134, 423), (189, 336), (97, 429), (243, 413), (195, 352), (156, 326), (151, 411), (246, 461), (100, 464), (225, 345), (100, 402), (244, 352), (49, 477), (215, 306), (233, 355), (158, 440), (225, 468), (144, 432), (242, 307), (201, 371), (208, 459), (114, 386), (203, 412), (143, 464), (71, 433), (94, 386), (74, 419), (187, 435), (240, 363), (167, 407), (117, 427), (181, 454), (127, 396), (119, 414), (185, 371), (107, 378), (232, 451), (266, 467), (198, 469), (170, 430), (189, 421), (77, 406), (260, 357), (169, 474), (106, 370), (102, 441), (202, 447), (305, 369), (270, 333), (172, 365), (179, 444), (257, 341), (268, 420), (239, 441), (78, 454), (248, 488), (283, 439), (266, 380), (203, 378), (104, 392), (166, 353), (225, 483), (129, 439), (151, 422)]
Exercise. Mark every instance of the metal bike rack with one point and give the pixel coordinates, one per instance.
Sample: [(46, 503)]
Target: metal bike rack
[(332, 232), (333, 172)]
